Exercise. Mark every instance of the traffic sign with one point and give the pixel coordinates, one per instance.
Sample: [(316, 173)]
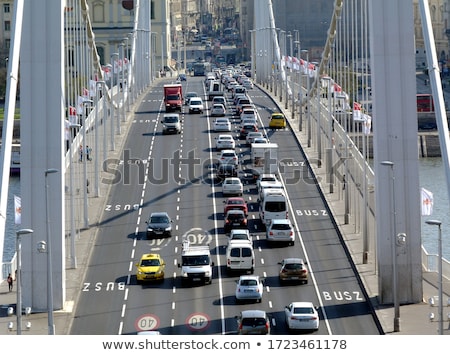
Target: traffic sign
[(146, 322), (198, 321)]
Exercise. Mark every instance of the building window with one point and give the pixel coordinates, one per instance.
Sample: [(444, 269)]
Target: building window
[(98, 12), (7, 26), (152, 10), (101, 54), (7, 43), (6, 8)]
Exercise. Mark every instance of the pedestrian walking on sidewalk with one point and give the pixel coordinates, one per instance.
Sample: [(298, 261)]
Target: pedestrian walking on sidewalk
[(10, 282), (81, 152), (88, 153)]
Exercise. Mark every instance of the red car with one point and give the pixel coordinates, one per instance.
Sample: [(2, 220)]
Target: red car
[(235, 203)]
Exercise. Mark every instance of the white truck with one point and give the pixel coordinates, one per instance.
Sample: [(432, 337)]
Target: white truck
[(264, 159), (196, 265)]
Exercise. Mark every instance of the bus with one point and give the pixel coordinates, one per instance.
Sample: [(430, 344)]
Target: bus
[(425, 103), (199, 68)]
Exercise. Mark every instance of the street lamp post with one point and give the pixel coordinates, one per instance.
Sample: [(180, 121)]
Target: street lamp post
[(72, 211), (84, 147), (330, 135), (394, 252), (19, 234), (51, 324), (433, 222), (113, 109), (308, 99)]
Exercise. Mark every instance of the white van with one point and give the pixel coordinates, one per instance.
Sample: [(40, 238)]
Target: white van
[(240, 256), (273, 205)]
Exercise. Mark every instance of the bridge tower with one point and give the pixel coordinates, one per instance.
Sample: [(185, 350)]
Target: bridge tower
[(392, 55), (42, 148)]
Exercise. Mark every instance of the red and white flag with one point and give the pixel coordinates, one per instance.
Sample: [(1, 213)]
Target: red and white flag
[(427, 202), (357, 112), (17, 210)]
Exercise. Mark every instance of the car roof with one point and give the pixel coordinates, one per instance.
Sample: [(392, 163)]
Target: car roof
[(303, 304), (248, 277), (159, 214), (151, 256), (232, 179), (235, 199), (235, 212), (253, 313), (293, 261), (240, 231), (281, 221)]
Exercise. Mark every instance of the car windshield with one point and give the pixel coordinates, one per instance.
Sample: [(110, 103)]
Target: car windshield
[(195, 260), (159, 219), (171, 119), (150, 262), (173, 97)]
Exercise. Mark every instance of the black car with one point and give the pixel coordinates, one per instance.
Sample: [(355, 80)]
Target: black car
[(235, 219), (226, 170), (159, 224)]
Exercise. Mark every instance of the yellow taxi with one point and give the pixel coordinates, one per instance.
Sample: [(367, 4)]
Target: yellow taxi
[(277, 120), (150, 268)]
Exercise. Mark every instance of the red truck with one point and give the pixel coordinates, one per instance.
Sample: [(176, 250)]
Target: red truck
[(173, 97)]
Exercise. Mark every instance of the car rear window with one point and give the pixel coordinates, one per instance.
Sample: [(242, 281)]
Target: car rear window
[(281, 226), (246, 252), (275, 206), (293, 266), (253, 322)]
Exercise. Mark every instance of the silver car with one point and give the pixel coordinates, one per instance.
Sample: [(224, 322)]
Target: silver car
[(249, 287), (253, 322)]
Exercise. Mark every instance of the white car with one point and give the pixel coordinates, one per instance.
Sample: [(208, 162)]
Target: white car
[(249, 287), (251, 136), (232, 186), (248, 121), (188, 96), (301, 316), (248, 84), (225, 141), (240, 234), (266, 177), (280, 230), (218, 110), (222, 124), (196, 105), (228, 156), (248, 113), (261, 140)]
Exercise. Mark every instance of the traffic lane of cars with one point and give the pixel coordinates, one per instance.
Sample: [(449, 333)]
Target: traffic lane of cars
[(110, 259), (324, 247)]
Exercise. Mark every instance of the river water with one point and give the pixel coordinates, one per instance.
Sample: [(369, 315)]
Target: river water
[(432, 177)]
